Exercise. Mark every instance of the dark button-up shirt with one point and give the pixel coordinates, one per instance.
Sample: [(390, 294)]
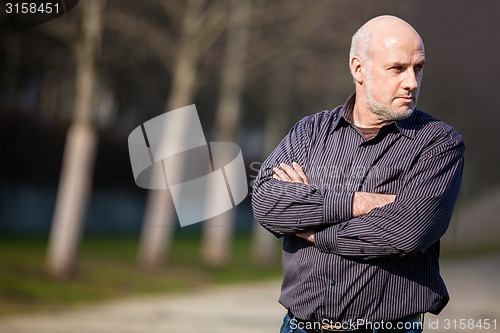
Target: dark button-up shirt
[(379, 266)]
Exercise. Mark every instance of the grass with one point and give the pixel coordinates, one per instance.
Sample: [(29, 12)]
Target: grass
[(463, 253), (108, 269)]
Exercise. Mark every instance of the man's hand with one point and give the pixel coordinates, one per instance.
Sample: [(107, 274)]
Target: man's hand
[(364, 202), (293, 174), (307, 235)]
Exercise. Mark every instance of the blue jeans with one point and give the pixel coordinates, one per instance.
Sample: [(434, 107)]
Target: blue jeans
[(291, 325)]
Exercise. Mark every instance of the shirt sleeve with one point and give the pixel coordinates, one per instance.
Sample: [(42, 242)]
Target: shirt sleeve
[(417, 218), (286, 208)]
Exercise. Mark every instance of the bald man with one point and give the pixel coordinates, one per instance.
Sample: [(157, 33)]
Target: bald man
[(362, 195)]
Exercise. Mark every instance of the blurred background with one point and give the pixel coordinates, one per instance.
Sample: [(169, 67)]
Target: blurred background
[(74, 227)]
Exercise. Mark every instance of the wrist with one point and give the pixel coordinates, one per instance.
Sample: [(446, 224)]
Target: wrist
[(364, 202), (359, 204)]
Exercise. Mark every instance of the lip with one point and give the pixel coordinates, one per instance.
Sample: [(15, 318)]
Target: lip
[(406, 98)]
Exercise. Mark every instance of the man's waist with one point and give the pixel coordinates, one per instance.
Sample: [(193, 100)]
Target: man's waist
[(411, 322)]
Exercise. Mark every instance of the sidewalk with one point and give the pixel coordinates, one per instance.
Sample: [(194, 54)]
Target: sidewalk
[(473, 284), (235, 309), (474, 287)]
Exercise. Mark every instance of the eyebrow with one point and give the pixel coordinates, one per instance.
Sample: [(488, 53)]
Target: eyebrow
[(397, 63), (421, 62)]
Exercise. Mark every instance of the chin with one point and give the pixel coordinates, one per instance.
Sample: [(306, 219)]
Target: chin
[(390, 114), (404, 114)]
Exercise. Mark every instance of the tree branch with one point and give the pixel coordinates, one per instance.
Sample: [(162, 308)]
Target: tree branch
[(137, 28)]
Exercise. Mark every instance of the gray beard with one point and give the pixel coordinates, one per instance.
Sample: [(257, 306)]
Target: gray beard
[(387, 114)]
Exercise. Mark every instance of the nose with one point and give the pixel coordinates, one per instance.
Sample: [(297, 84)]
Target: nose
[(411, 81)]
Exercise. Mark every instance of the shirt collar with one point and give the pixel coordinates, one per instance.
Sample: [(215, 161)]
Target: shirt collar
[(344, 113), (404, 126), (408, 126)]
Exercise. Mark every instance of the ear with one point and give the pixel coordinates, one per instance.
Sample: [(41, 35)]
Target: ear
[(357, 69)]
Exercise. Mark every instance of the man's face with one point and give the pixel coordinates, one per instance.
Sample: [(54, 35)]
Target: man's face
[(393, 76)]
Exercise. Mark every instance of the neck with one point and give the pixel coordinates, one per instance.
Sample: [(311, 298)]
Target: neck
[(363, 117)]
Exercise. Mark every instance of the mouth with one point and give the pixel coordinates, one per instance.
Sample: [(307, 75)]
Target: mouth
[(407, 99)]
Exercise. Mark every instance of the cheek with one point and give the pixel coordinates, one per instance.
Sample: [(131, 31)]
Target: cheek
[(386, 87), (388, 92)]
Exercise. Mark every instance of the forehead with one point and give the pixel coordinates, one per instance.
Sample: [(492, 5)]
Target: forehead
[(410, 49)]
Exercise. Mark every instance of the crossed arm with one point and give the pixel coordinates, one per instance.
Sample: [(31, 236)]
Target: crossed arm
[(359, 224), (362, 202)]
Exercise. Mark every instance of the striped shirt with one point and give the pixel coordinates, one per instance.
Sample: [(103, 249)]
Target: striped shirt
[(379, 266)]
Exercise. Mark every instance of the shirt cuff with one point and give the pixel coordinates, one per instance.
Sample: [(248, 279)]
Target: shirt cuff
[(325, 240), (337, 207)]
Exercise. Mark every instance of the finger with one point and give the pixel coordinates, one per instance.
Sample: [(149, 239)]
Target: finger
[(300, 172), (303, 234), (307, 235), (294, 176), (281, 174)]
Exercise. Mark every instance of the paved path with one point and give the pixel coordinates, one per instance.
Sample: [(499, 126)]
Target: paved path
[(473, 284)]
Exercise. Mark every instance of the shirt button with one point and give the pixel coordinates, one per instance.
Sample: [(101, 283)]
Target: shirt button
[(337, 218), (298, 221), (332, 283), (362, 251), (353, 177)]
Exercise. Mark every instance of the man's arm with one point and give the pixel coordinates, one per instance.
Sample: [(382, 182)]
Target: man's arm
[(293, 206), (365, 202), (362, 202), (418, 218), (414, 221)]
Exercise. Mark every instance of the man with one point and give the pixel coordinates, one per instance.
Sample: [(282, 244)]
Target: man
[(362, 195)]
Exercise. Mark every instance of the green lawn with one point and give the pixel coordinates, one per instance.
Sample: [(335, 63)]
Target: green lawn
[(108, 269)]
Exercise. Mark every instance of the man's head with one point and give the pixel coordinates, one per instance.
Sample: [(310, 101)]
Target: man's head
[(386, 59)]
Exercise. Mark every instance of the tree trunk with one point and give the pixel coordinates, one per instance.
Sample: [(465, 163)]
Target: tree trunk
[(264, 243), (159, 218), (77, 169), (219, 229)]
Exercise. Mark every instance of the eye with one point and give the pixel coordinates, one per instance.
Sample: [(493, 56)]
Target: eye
[(397, 68), (419, 68)]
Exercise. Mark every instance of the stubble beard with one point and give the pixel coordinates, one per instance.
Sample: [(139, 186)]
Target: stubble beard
[(383, 112)]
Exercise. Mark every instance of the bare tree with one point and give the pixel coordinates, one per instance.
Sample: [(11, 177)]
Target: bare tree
[(218, 230), (79, 152), (279, 58), (275, 127), (200, 24)]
